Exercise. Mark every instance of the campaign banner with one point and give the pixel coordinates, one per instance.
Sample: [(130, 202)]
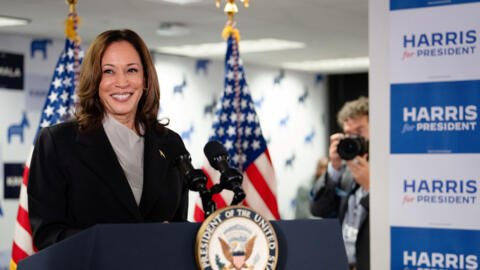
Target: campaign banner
[(426, 46), (434, 249), (13, 177), (436, 191), (434, 180), (11, 71), (408, 4), (437, 117)]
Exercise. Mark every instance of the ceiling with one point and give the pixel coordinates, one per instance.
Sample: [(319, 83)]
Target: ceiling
[(329, 28)]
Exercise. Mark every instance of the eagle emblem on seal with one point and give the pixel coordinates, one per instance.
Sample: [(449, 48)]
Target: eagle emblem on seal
[(237, 253)]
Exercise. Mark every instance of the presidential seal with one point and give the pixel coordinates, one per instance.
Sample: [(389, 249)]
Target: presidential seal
[(236, 238)]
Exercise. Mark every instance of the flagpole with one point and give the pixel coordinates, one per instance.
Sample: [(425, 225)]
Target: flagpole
[(71, 27)]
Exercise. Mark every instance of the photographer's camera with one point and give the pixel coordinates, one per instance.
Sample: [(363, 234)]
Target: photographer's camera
[(352, 146)]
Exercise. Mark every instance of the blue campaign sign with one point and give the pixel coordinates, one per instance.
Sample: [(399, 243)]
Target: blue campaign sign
[(13, 179), (428, 248), (437, 117), (11, 71), (406, 4)]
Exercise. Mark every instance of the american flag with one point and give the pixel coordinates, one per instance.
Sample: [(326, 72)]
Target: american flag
[(58, 107), (237, 127)]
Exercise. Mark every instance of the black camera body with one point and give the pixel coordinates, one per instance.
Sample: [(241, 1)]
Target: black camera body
[(352, 146)]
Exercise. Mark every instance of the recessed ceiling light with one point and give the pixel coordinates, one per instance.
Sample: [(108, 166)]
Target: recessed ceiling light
[(246, 46), (11, 21), (331, 65)]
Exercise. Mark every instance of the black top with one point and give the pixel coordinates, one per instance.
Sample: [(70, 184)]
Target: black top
[(75, 181)]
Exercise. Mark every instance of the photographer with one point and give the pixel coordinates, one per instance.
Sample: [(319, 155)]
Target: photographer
[(342, 191)]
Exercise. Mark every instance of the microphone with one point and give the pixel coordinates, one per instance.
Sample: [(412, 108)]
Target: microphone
[(196, 178), (230, 178)]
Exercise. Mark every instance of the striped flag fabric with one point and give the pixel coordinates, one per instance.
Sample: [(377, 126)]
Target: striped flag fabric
[(237, 127), (59, 106)]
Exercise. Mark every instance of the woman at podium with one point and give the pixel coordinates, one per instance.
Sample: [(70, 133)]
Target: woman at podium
[(111, 163)]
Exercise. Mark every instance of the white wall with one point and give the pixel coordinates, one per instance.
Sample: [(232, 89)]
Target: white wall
[(379, 100)]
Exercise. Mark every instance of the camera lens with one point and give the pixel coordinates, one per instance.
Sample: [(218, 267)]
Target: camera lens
[(350, 147)]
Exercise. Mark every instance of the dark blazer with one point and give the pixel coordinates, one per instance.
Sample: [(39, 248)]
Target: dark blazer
[(327, 203), (76, 181)]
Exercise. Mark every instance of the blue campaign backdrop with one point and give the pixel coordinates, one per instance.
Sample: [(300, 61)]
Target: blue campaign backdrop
[(406, 4), (436, 117), (426, 248)]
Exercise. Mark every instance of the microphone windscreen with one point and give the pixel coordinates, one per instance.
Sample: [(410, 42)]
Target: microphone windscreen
[(214, 149)]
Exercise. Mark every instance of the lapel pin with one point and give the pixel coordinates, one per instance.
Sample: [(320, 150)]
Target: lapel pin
[(161, 153)]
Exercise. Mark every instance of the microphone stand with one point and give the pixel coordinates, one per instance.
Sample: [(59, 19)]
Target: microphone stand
[(231, 179), (198, 182)]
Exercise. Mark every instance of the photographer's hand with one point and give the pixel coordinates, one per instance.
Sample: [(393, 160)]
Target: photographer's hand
[(360, 169), (335, 159)]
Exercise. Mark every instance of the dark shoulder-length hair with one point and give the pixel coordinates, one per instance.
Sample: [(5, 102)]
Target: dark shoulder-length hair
[(90, 110)]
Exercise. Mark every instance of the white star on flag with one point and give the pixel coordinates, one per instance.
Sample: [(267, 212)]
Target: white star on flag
[(248, 131), (53, 97), (48, 111), (62, 110), (224, 117), (258, 131), (231, 61), (228, 144), (233, 117), (67, 82), (64, 96), (226, 103), (70, 53), (231, 131), (255, 144), (250, 117), (230, 75), (57, 83), (70, 67), (243, 104), (228, 89), (60, 69), (45, 123)]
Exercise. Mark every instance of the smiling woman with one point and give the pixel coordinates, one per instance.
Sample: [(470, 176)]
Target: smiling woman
[(115, 58), (108, 164), (122, 82)]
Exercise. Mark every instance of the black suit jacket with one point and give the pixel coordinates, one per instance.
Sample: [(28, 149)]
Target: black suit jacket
[(76, 181), (327, 204)]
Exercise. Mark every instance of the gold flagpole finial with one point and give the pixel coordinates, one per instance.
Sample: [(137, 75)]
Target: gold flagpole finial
[(71, 4), (72, 21), (231, 9)]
